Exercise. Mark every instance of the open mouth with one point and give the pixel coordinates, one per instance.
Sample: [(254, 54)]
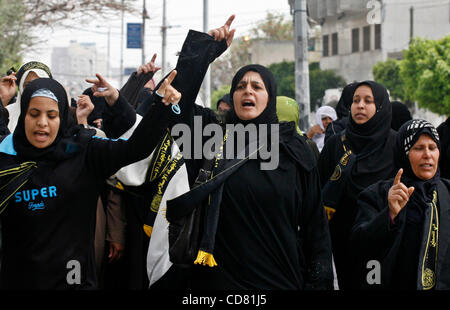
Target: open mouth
[(427, 166), (248, 104), (41, 135)]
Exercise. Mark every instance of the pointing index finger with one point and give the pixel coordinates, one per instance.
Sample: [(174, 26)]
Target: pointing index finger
[(153, 58), (230, 20), (398, 176), (171, 76)]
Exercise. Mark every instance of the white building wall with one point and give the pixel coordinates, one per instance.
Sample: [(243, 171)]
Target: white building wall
[(269, 52), (73, 64), (351, 66), (431, 21)]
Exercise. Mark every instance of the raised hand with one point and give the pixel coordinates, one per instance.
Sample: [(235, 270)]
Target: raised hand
[(84, 108), (7, 88), (168, 92), (149, 67), (224, 32), (314, 130), (102, 88), (398, 195)]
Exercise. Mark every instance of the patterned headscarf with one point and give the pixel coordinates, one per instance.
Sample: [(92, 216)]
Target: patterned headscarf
[(418, 126), (423, 198), (408, 134)]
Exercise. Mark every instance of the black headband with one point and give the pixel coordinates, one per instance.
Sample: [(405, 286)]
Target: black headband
[(32, 65)]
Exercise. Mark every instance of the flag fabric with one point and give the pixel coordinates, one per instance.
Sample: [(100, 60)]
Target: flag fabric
[(158, 260), (165, 171)]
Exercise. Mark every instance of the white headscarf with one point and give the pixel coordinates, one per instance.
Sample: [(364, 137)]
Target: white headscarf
[(14, 108), (321, 113)]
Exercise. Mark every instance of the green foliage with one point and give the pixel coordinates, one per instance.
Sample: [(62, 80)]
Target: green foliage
[(13, 34), (387, 73), (19, 18), (425, 71), (284, 73), (319, 81), (216, 95)]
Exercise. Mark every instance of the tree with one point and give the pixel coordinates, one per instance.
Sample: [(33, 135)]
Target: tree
[(13, 34), (319, 81), (388, 73), (284, 73), (425, 71), (218, 94), (64, 12), (20, 17)]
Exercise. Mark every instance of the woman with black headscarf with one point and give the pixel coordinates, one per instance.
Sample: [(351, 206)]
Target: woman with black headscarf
[(264, 229), (50, 175), (400, 115), (403, 223), (351, 161), (342, 111)]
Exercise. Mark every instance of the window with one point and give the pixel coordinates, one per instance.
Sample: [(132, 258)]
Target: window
[(334, 44), (377, 36), (325, 46), (311, 44), (366, 38), (355, 40)]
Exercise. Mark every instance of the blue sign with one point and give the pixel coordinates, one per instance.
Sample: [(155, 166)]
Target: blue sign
[(134, 35), (128, 71)]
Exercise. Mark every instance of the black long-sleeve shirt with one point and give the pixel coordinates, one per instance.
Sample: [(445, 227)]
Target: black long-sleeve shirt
[(48, 226), (272, 230)]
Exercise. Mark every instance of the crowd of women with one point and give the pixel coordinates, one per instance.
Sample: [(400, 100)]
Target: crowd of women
[(349, 192)]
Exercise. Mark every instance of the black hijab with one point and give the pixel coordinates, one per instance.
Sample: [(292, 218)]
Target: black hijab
[(343, 106), (364, 137), (269, 115), (226, 99), (288, 137), (370, 143), (400, 115), (444, 136), (70, 137), (294, 145)]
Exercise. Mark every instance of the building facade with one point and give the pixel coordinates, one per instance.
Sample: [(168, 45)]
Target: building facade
[(356, 34), (73, 64), (267, 52)]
